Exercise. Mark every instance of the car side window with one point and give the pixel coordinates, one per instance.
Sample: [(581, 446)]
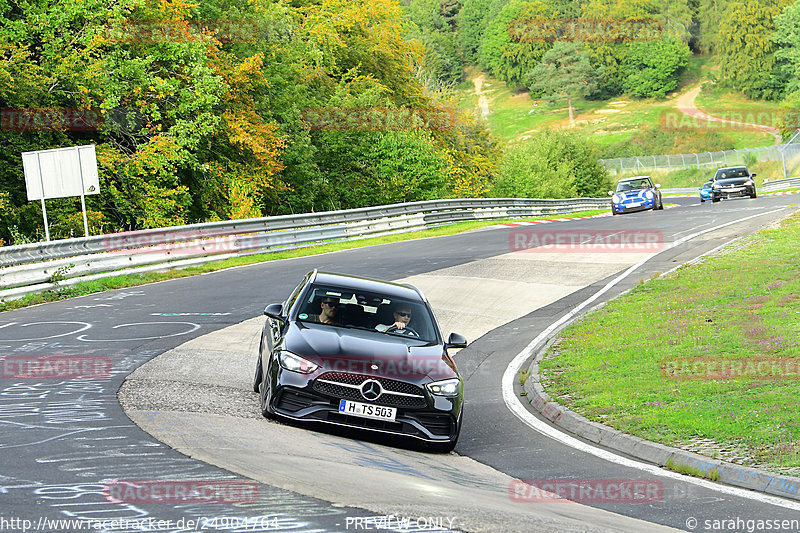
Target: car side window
[(287, 305)]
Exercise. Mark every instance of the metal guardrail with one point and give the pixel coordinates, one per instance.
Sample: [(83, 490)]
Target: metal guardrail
[(781, 184), (37, 267)]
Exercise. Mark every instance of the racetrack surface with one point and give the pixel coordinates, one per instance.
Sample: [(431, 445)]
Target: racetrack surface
[(69, 437)]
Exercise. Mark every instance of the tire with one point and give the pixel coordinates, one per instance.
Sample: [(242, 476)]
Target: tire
[(715, 199), (702, 200), (257, 377), (660, 204), (753, 195), (613, 212), (265, 399)]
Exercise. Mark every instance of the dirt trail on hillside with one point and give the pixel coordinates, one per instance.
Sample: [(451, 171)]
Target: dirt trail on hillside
[(685, 104), (483, 102)]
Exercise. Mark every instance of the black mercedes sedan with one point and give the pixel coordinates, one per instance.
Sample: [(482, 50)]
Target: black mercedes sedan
[(360, 353), (730, 182)]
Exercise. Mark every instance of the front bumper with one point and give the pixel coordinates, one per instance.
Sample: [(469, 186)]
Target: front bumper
[(431, 418), (734, 192), (629, 206)]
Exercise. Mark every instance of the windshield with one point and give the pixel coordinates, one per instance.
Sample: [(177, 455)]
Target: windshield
[(385, 315), (632, 185), (732, 173)]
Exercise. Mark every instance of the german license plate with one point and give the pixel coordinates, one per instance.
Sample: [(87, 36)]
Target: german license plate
[(367, 410)]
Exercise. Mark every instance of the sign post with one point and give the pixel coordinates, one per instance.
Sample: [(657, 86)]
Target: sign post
[(61, 173)]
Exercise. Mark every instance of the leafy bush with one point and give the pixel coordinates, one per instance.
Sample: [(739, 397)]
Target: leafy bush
[(552, 164)]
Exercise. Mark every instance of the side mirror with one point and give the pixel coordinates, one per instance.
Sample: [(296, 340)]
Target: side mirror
[(753, 175), (611, 193), (274, 311), (456, 341)]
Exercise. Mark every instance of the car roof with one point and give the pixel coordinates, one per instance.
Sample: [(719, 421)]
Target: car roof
[(741, 167), (347, 281), (635, 178)]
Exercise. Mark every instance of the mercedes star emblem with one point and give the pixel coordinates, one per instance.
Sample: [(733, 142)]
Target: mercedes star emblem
[(371, 390)]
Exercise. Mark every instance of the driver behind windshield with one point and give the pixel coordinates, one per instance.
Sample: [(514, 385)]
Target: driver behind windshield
[(402, 316)]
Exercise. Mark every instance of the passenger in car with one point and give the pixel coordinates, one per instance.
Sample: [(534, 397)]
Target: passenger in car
[(329, 308), (402, 316)]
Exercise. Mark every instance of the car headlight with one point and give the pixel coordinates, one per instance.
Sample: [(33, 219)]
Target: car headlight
[(749, 183), (615, 199), (649, 195), (295, 363), (446, 387), (716, 185)]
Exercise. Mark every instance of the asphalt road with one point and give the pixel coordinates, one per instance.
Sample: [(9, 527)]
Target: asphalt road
[(63, 440)]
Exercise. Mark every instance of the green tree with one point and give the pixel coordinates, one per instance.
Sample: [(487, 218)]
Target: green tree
[(746, 51), (472, 21), (787, 39), (710, 14), (653, 68), (511, 48), (565, 72)]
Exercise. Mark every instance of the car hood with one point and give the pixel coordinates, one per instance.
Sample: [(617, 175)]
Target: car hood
[(732, 181), (633, 193), (369, 352)]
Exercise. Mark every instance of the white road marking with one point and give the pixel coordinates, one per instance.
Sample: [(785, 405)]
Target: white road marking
[(194, 328), (86, 326)]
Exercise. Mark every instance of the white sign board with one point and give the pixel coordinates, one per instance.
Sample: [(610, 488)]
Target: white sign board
[(61, 173)]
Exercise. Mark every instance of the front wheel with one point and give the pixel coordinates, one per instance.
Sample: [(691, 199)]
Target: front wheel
[(257, 377), (753, 195), (715, 199), (266, 399)]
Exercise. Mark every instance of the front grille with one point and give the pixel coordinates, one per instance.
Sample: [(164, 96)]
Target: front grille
[(344, 385), (387, 384)]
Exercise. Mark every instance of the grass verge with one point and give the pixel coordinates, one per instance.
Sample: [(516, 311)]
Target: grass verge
[(652, 363), (132, 280), (689, 470)]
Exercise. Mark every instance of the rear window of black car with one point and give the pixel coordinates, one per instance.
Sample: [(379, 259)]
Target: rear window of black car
[(365, 310)]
